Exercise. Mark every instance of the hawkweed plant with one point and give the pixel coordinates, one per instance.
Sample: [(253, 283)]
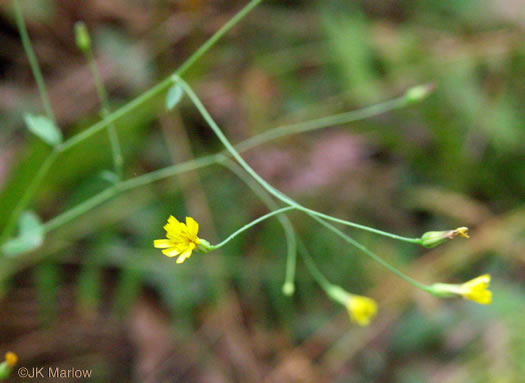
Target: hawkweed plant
[(183, 238)]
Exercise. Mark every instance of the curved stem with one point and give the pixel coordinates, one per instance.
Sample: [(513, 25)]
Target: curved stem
[(325, 284), (289, 232), (371, 254), (253, 223), (337, 119), (276, 193)]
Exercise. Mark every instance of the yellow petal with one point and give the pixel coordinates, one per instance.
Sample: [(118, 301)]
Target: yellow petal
[(162, 243), (193, 226), (11, 358), (183, 256), (172, 220), (171, 252), (361, 309), (477, 290)]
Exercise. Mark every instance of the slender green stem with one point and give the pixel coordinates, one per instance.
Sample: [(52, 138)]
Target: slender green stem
[(358, 226), (337, 119), (276, 193), (26, 197), (289, 232), (253, 223), (106, 110), (124, 186), (221, 32), (370, 254), (33, 62), (81, 208), (325, 284), (30, 190), (117, 114)]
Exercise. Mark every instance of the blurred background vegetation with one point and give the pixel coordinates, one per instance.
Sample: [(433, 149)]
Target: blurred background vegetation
[(98, 295)]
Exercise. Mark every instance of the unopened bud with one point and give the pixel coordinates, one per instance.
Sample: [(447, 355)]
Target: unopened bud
[(418, 93), (82, 38), (288, 289), (204, 246), (435, 238)]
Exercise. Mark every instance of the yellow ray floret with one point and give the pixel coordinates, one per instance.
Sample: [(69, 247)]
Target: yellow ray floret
[(181, 239)]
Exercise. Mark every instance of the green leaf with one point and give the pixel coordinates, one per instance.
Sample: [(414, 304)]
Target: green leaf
[(44, 128), (31, 235), (174, 96)]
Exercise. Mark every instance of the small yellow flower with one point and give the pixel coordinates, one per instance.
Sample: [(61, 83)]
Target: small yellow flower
[(476, 290), (11, 359), (361, 309), (181, 239)]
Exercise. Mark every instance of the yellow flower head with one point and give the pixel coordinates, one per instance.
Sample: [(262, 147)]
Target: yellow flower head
[(181, 238), (11, 358), (476, 290), (361, 309)]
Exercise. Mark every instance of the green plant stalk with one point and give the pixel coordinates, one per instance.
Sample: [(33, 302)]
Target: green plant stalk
[(111, 118), (35, 68), (33, 62), (289, 232), (124, 186), (252, 223), (276, 193), (341, 118), (371, 254), (116, 152), (323, 282)]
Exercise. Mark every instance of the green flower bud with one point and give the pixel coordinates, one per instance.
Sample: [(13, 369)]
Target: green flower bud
[(418, 93), (435, 238), (82, 38), (204, 246), (288, 289)]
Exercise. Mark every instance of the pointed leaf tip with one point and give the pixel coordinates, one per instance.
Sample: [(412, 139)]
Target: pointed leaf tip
[(44, 128)]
